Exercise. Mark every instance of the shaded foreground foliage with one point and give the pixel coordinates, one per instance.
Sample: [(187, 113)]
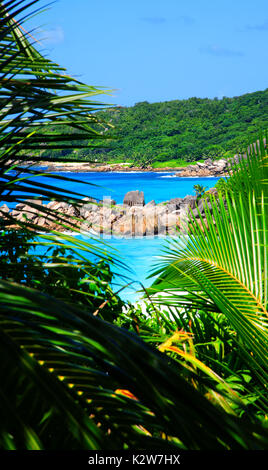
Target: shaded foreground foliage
[(190, 374)]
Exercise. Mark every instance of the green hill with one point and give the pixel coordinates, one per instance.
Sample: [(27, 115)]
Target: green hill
[(188, 130)]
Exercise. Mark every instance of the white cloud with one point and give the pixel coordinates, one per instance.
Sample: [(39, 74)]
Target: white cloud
[(154, 19), (221, 51), (258, 27), (52, 36)]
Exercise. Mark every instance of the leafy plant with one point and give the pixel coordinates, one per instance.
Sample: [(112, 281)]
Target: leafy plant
[(186, 130), (221, 264), (57, 272), (35, 93), (199, 190), (69, 379), (85, 383)]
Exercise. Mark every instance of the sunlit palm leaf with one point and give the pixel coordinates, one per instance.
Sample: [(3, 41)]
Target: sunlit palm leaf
[(68, 379), (89, 360), (224, 260), (35, 93)]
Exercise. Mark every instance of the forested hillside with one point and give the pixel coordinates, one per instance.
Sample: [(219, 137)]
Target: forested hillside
[(189, 129)]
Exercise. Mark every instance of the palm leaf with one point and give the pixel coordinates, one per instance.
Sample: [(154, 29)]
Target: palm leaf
[(222, 263), (90, 361), (62, 367), (35, 93)]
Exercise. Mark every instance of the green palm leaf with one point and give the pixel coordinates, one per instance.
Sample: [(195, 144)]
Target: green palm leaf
[(70, 380), (222, 263), (74, 363), (35, 93)]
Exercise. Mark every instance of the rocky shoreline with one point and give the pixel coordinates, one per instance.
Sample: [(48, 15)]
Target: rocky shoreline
[(97, 168), (208, 168), (132, 218)]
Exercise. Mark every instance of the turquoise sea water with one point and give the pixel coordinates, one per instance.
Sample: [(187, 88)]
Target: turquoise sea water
[(138, 253), (157, 186)]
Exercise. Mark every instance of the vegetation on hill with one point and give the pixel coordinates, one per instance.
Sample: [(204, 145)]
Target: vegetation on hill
[(79, 372), (188, 130)]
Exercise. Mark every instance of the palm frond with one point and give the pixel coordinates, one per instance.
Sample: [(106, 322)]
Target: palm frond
[(67, 354), (35, 93), (222, 263)]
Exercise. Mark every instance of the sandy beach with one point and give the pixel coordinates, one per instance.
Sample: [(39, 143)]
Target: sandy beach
[(83, 167)]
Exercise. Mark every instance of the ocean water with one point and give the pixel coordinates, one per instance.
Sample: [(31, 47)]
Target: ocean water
[(139, 254), (156, 186)]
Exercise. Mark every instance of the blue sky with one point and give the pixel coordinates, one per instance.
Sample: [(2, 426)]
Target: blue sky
[(159, 50)]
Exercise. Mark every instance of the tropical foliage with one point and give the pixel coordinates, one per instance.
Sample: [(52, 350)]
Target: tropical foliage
[(191, 129), (191, 374), (36, 92), (199, 190), (220, 266)]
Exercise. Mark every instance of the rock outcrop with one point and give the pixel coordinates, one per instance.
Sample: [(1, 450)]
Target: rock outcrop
[(134, 198), (208, 168), (132, 218)]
